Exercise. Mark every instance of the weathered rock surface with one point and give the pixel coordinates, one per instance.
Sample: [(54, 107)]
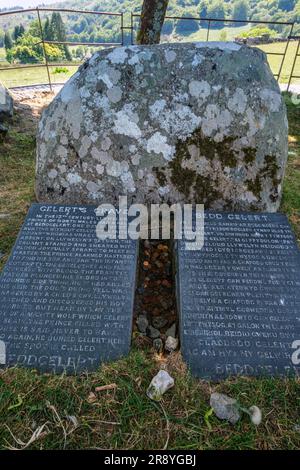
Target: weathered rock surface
[(201, 122), (6, 109), (6, 103)]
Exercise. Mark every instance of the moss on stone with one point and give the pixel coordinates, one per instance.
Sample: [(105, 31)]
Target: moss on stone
[(205, 191), (255, 186), (185, 179), (250, 155), (182, 178), (161, 177), (269, 170)]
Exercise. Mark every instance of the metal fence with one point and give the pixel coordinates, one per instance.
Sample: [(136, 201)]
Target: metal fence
[(210, 21), (43, 41), (297, 56), (47, 64)]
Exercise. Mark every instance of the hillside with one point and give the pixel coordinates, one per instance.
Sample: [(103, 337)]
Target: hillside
[(90, 28)]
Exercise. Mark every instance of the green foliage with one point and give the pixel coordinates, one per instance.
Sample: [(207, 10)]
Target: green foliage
[(26, 54), (18, 32), (34, 29), (28, 50), (286, 5), (59, 70), (258, 31), (54, 53), (8, 42), (55, 30), (216, 10), (168, 27), (187, 26), (240, 10), (223, 36)]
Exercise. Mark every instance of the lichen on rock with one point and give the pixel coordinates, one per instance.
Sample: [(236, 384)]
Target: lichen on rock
[(188, 122)]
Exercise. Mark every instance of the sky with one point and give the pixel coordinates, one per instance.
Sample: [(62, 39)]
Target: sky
[(24, 3)]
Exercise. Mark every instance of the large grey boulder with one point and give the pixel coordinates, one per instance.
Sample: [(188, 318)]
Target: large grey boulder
[(6, 109), (200, 122)]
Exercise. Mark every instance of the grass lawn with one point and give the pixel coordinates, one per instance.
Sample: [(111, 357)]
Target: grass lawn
[(275, 61), (66, 412), (217, 34), (34, 76)]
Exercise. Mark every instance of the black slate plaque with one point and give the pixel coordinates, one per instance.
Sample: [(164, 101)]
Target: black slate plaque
[(239, 297), (66, 296)]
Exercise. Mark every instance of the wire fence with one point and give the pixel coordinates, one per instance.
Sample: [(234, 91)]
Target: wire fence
[(46, 70)]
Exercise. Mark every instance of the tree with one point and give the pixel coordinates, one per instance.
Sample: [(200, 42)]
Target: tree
[(48, 35), (26, 55), (168, 27), (21, 30), (34, 29), (18, 32), (58, 33), (203, 8), (28, 49), (8, 42), (152, 20), (240, 11), (216, 10), (187, 26), (286, 5)]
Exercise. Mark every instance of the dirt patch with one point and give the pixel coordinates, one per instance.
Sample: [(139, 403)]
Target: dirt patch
[(29, 104)]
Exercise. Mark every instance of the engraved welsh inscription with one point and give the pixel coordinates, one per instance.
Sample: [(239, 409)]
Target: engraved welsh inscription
[(239, 297), (66, 296)]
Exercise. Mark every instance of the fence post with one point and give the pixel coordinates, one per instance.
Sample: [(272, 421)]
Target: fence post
[(131, 28), (122, 28), (285, 51), (44, 48), (294, 64), (208, 30)]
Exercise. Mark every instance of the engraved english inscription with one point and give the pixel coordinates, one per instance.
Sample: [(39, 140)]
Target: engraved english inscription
[(239, 297), (66, 296)]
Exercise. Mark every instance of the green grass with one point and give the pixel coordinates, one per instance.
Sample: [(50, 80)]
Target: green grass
[(216, 34), (124, 418), (34, 76), (16, 180), (275, 61)]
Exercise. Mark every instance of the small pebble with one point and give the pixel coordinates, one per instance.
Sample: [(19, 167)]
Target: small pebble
[(171, 331), (159, 322), (153, 333), (160, 384), (171, 344), (158, 345), (142, 323), (225, 407)]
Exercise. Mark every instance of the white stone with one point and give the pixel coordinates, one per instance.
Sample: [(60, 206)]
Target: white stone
[(159, 385)]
